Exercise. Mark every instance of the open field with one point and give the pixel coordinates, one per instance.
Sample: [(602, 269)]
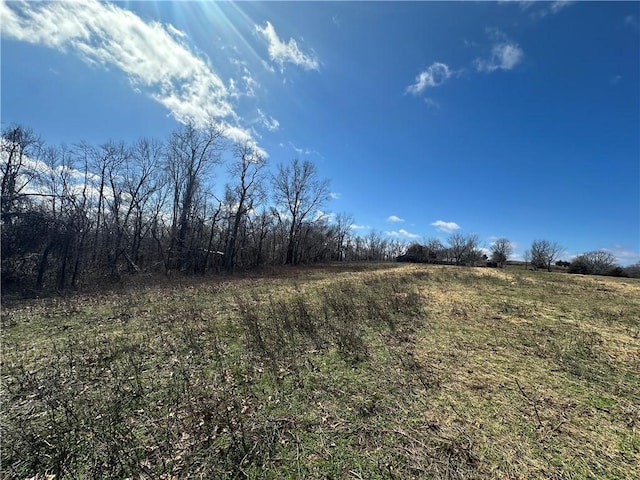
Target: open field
[(342, 371)]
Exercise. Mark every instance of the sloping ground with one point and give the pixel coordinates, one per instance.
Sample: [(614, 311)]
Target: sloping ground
[(356, 371)]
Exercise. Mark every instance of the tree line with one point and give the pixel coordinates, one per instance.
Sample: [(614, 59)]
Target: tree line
[(84, 213), (81, 213)]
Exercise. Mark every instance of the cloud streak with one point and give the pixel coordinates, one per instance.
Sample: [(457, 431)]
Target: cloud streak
[(395, 219), (268, 122), (281, 52), (154, 57)]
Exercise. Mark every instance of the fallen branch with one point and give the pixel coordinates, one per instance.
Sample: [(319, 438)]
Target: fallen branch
[(533, 404)]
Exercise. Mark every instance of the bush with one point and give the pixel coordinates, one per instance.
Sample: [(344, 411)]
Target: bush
[(633, 271)]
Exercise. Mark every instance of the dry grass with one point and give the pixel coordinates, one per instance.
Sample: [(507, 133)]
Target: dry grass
[(345, 371)]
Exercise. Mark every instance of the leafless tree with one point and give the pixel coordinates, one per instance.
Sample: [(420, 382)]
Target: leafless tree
[(501, 251), (299, 191), (464, 248), (20, 150), (191, 152), (342, 231), (244, 195), (597, 262), (143, 184), (544, 253), (435, 250)]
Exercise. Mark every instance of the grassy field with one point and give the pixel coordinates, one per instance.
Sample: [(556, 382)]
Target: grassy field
[(342, 371)]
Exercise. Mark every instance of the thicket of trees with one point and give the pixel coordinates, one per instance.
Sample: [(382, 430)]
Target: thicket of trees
[(78, 214), (81, 213)]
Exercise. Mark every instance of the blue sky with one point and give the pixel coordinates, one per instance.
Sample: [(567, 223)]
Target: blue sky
[(514, 119)]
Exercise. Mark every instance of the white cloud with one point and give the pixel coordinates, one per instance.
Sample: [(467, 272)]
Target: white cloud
[(505, 55), (402, 233), (268, 122), (250, 84), (447, 227), (302, 151), (155, 57), (335, 195), (395, 219), (355, 226), (623, 255), (436, 74), (281, 52)]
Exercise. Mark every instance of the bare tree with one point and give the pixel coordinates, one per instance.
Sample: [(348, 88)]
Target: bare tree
[(342, 230), (116, 156), (464, 248), (260, 226), (544, 253), (243, 196), (143, 183), (435, 250), (20, 149), (598, 262), (299, 191), (190, 154), (501, 251)]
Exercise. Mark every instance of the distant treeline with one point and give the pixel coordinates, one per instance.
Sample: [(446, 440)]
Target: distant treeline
[(542, 255), (79, 214)]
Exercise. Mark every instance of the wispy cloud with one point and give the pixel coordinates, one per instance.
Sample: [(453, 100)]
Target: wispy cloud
[(335, 195), (447, 227), (551, 8), (155, 57), (355, 226), (436, 74), (623, 255), (249, 84), (402, 233), (395, 219), (505, 55), (281, 52), (632, 21), (539, 9), (431, 103), (303, 151), (268, 122)]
